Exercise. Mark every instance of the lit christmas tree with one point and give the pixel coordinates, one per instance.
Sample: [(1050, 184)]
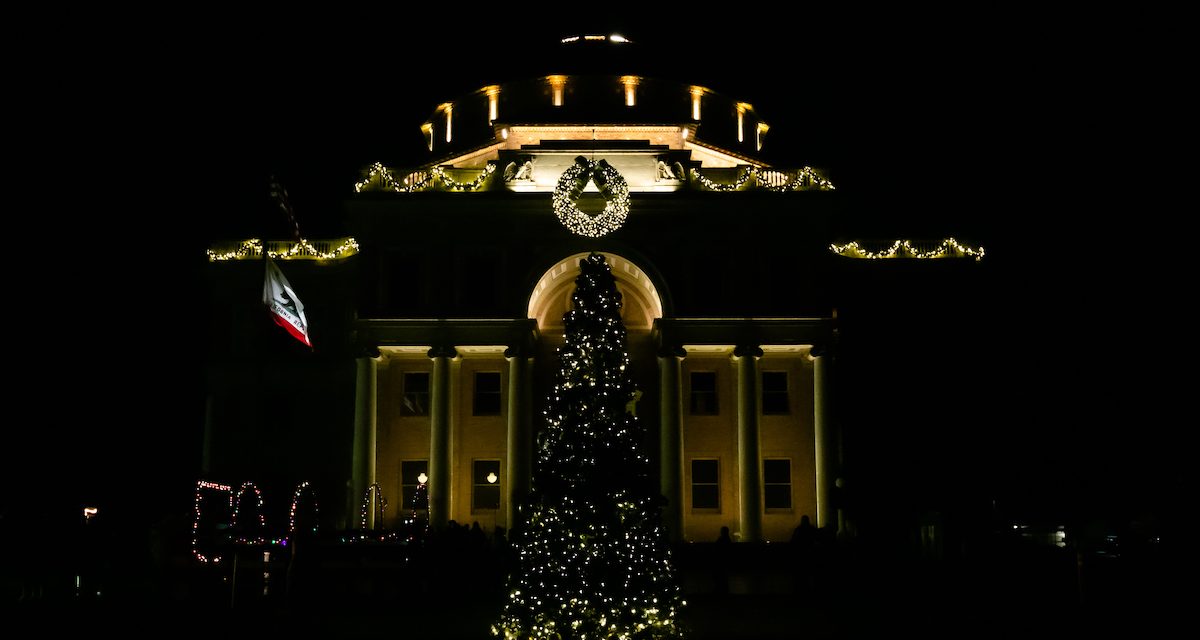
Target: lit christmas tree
[(594, 560)]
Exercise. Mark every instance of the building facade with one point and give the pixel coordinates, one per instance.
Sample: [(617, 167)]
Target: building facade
[(436, 323)]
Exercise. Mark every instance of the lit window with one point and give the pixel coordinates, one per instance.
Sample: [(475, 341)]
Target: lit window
[(777, 484), (631, 83), (775, 393), (411, 472), (706, 484), (486, 485), (696, 93), (415, 395), (704, 393), (487, 393)]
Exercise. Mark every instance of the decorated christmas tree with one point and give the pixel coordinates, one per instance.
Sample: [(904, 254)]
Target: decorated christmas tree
[(593, 555)]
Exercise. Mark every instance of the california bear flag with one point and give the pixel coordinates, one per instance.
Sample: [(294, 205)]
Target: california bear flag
[(285, 307)]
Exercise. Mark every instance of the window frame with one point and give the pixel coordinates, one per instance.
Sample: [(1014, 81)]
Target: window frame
[(499, 393), (786, 393), (714, 392), (408, 490), (791, 502), (404, 394), (693, 484), (481, 482)]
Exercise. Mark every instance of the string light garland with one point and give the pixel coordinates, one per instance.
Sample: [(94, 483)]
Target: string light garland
[(415, 181), (201, 486), (295, 503), (366, 503), (714, 186), (949, 248), (262, 521), (302, 250), (805, 178), (610, 184), (455, 185), (420, 180)]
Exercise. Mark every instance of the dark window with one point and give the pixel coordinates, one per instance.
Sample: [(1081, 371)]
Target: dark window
[(777, 484), (487, 393), (486, 480), (706, 484), (410, 479), (704, 393), (774, 392), (415, 399)]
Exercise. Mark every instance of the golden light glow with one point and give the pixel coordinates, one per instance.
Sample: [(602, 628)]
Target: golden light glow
[(88, 512), (427, 129), (449, 116), (760, 134), (741, 114), (492, 477), (949, 248), (557, 83), (422, 478), (631, 83), (285, 250), (493, 95), (696, 92), (570, 39), (593, 37)]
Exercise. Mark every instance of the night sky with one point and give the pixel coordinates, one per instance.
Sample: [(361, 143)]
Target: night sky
[(169, 142)]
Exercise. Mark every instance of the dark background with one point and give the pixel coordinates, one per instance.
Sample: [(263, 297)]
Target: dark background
[(146, 147)]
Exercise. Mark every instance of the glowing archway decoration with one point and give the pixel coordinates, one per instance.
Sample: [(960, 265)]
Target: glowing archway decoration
[(551, 295)]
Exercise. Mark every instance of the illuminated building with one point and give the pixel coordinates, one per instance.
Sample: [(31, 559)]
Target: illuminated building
[(436, 324)]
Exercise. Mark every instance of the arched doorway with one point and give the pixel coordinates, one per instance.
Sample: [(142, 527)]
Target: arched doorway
[(551, 296)]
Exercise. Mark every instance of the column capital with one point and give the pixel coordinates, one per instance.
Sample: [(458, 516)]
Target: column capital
[(518, 351), (671, 350), (747, 350), (370, 351), (443, 351)]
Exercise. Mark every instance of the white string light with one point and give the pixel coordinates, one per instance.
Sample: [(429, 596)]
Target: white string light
[(420, 180), (302, 250), (612, 186), (949, 248), (201, 485), (804, 179)]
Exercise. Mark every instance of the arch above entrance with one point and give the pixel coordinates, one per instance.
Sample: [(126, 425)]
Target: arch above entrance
[(551, 296)]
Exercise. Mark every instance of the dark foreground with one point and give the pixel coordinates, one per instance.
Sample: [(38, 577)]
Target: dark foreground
[(372, 590)]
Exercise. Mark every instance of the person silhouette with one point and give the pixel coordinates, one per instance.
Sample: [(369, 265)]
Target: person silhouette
[(721, 561)]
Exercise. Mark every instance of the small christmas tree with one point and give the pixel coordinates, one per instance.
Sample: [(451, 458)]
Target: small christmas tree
[(593, 555)]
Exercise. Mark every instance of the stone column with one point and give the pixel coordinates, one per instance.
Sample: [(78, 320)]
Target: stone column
[(363, 456), (439, 437), (750, 503), (520, 446), (670, 405), (825, 444)]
